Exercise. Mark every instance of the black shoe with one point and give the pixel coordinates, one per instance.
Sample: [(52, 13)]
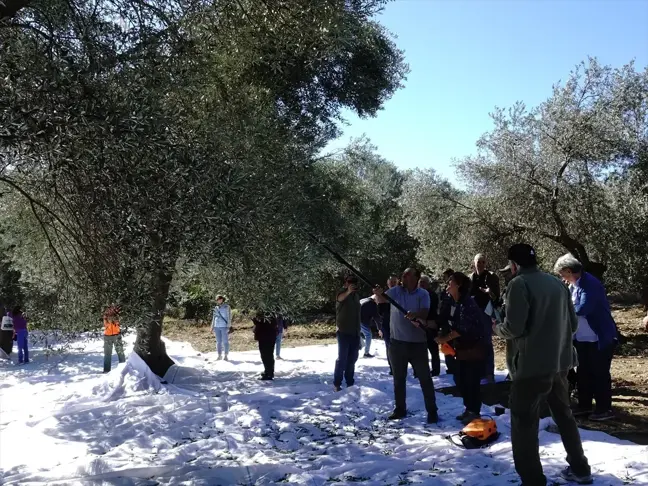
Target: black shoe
[(467, 417), (368, 355), (435, 373), (265, 377), (397, 415), (391, 373), (568, 475), (433, 418)]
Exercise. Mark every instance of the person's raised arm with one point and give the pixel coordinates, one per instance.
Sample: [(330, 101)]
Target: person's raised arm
[(342, 296)]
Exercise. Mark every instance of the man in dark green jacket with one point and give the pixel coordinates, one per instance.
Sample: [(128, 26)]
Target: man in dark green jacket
[(539, 326)]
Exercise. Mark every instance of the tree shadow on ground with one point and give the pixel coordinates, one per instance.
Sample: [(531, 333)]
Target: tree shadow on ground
[(187, 431)]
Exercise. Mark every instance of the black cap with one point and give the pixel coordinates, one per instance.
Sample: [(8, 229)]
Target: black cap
[(523, 254)]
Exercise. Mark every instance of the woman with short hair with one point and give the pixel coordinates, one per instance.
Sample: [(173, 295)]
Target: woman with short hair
[(595, 338), (469, 336)]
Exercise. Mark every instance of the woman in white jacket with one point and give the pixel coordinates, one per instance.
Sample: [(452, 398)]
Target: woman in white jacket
[(221, 326)]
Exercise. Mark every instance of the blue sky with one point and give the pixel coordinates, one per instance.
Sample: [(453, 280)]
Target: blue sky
[(466, 57)]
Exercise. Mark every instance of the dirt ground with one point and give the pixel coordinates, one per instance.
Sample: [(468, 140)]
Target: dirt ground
[(629, 367)]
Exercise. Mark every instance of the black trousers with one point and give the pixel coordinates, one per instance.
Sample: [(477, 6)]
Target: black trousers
[(593, 376), (527, 397), (403, 353), (469, 383), (266, 348)]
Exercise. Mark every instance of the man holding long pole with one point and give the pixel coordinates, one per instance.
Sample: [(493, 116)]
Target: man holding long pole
[(347, 320), (409, 309), (409, 342)]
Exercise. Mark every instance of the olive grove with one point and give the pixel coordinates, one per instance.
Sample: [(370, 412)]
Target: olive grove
[(135, 135)]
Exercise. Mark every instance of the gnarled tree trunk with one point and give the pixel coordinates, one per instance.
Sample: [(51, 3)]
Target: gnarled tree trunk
[(578, 250), (149, 345)]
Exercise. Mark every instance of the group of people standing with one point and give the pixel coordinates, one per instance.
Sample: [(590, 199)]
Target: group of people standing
[(460, 314), (269, 330), (14, 328), (551, 327)]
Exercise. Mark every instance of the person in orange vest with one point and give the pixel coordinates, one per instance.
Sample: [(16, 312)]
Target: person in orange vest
[(112, 336)]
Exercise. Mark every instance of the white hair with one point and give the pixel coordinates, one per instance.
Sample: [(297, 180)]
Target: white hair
[(480, 256), (568, 262), (426, 279)]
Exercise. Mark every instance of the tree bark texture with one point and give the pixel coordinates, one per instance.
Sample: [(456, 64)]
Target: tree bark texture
[(149, 345)]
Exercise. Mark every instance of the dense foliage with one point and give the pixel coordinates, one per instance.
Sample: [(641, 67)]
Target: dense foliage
[(568, 175), (161, 152), (135, 134)]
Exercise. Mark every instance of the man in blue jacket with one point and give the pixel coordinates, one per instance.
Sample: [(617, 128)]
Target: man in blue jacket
[(594, 340)]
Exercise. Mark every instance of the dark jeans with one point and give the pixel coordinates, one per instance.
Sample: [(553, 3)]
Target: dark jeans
[(470, 373), (23, 346), (365, 329), (266, 348), (527, 397), (433, 347), (403, 353), (348, 349), (593, 376), (109, 342)]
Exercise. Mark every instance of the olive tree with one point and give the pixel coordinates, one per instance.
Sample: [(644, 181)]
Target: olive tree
[(137, 133)]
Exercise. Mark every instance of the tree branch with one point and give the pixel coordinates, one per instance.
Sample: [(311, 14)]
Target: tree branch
[(32, 205), (31, 200)]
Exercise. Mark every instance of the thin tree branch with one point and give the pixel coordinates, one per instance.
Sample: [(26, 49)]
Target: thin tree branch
[(32, 205)]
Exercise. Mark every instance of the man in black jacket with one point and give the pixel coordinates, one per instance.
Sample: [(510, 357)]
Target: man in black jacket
[(384, 309), (426, 283), (486, 290), (443, 320)]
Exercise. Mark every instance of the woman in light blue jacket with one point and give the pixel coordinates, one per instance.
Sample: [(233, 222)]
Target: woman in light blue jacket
[(221, 326)]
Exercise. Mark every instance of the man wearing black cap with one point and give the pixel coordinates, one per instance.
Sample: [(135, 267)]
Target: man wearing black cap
[(539, 326)]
